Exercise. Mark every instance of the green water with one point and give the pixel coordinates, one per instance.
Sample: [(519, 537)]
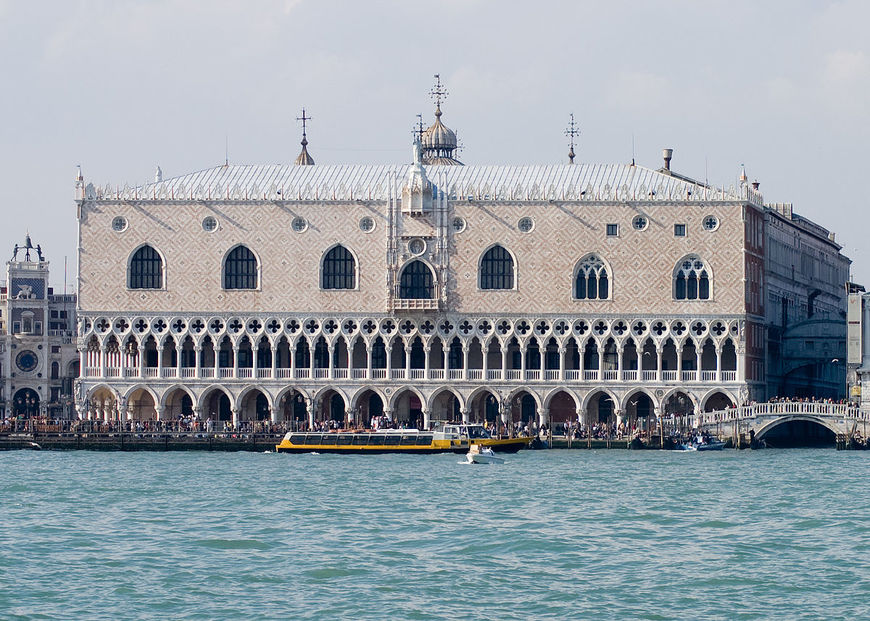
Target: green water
[(547, 535)]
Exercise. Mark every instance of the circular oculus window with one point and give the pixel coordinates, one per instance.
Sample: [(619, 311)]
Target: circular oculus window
[(299, 224), (640, 223), (119, 224), (209, 224), (458, 224), (417, 246), (525, 224), (26, 360), (366, 225), (711, 223)]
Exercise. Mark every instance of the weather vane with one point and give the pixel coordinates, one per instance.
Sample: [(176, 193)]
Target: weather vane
[(438, 93), (571, 132)]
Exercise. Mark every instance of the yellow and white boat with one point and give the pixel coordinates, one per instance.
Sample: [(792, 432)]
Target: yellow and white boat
[(451, 439)]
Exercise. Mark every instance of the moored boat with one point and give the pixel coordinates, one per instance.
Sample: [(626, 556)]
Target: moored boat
[(451, 439)]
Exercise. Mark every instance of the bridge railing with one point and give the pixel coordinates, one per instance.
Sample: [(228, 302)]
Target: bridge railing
[(784, 408)]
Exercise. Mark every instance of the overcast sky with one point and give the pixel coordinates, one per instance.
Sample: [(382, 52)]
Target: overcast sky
[(121, 86)]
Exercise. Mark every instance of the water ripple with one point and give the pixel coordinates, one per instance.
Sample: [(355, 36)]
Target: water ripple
[(548, 535)]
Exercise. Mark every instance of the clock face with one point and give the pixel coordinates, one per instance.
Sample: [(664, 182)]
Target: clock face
[(26, 360)]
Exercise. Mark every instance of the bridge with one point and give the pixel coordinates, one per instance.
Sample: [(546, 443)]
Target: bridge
[(760, 420)]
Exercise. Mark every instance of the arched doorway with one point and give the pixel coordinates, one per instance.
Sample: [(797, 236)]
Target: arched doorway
[(25, 403)]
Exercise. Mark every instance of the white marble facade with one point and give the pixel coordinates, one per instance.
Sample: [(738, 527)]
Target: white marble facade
[(290, 348)]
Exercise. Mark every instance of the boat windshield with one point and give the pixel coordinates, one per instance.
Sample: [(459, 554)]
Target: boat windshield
[(477, 432)]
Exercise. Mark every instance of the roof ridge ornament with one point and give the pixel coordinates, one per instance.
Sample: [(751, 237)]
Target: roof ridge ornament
[(571, 132), (304, 159)]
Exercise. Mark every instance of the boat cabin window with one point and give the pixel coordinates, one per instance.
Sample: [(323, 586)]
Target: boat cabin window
[(392, 439), (328, 438), (377, 438), (361, 439), (424, 439), (297, 438), (344, 438)]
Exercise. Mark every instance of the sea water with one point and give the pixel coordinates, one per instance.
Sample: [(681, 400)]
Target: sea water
[(575, 534)]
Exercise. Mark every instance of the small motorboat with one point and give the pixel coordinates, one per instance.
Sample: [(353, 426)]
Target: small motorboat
[(478, 454), (712, 445)]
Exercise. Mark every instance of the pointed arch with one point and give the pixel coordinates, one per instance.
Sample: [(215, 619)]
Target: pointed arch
[(496, 269), (693, 279), (241, 268), (338, 268), (593, 278), (145, 268), (417, 281)]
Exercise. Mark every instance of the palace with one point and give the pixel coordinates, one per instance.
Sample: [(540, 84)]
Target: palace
[(38, 359), (436, 291)]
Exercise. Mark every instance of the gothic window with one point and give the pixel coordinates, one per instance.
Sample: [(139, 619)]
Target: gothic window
[(240, 269), (497, 269), (592, 281), (146, 269), (416, 282), (691, 280), (339, 269)]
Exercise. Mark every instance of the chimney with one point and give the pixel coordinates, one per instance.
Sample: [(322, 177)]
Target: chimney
[(755, 185), (667, 154)]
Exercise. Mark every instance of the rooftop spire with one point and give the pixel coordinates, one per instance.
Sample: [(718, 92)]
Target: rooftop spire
[(304, 158), (438, 93), (439, 141), (571, 132)]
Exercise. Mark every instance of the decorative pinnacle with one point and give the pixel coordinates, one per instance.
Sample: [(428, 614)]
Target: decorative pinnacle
[(571, 132), (304, 119), (438, 93)]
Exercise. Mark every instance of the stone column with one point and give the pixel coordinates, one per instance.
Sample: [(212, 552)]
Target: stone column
[(159, 360), (543, 416), (369, 360), (601, 363), (698, 352), (102, 360), (197, 355), (680, 364), (310, 409), (217, 360), (426, 419), (407, 361), (291, 351), (331, 362), (388, 349), (620, 416), (619, 354), (274, 371), (524, 351), (543, 361), (83, 362), (581, 352), (464, 412), (718, 365), (562, 352), (255, 359), (427, 349), (235, 411), (465, 351), (503, 348), (659, 357), (274, 411), (235, 365), (158, 412), (178, 350), (741, 363)]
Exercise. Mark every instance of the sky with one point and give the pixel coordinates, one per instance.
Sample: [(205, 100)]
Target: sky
[(121, 86)]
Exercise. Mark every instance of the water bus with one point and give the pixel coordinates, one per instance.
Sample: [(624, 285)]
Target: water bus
[(456, 438)]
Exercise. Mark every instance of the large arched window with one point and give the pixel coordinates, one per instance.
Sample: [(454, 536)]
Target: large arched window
[(416, 282), (240, 269), (146, 269), (497, 269), (691, 279), (339, 269), (591, 282)]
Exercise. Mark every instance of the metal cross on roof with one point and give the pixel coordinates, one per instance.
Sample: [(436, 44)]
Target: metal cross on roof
[(439, 92), (303, 118), (571, 132)]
